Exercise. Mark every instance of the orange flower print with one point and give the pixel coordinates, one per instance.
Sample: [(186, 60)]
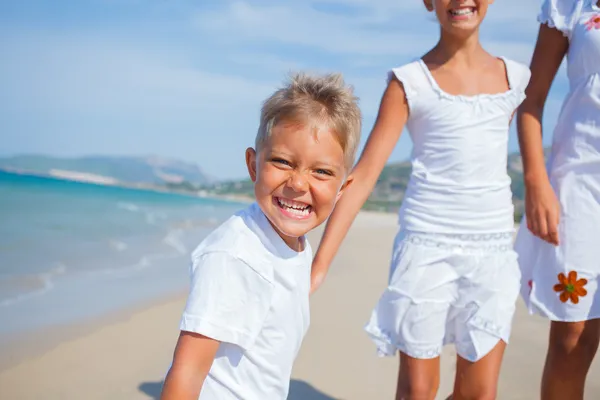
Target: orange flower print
[(570, 288), (593, 22)]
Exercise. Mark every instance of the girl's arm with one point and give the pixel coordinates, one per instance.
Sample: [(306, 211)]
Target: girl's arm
[(392, 116), (541, 206), (194, 355)]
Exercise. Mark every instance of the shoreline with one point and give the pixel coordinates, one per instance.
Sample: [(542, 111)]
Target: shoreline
[(22, 347), (56, 333), (24, 344), (98, 359), (125, 354), (85, 179), (98, 180)]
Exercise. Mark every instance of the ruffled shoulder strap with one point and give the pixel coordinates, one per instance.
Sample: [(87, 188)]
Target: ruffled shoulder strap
[(414, 82), (518, 75), (560, 14)]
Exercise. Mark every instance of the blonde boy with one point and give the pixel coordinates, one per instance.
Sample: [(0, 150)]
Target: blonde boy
[(247, 310)]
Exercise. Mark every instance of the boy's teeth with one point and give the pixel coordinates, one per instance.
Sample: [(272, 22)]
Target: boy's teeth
[(300, 213), (293, 207), (293, 204)]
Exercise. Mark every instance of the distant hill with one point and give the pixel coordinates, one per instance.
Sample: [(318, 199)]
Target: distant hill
[(390, 188), (181, 176), (130, 170)]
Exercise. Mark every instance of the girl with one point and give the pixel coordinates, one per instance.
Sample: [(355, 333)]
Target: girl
[(454, 277), (560, 263)]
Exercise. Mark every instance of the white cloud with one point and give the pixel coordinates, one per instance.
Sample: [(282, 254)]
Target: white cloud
[(500, 10), (99, 76), (299, 24), (385, 5), (380, 29), (76, 94), (266, 61), (198, 77)]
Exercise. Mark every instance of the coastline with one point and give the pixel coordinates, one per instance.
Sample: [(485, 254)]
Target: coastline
[(19, 348), (100, 180), (102, 359), (126, 354), (134, 341), (76, 252)]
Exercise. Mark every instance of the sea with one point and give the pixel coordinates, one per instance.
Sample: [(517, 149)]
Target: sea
[(71, 251)]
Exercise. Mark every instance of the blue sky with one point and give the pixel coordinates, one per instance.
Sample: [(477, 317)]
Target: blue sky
[(185, 79)]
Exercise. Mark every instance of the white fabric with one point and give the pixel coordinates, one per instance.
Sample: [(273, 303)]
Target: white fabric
[(250, 291), (574, 170), (560, 14), (459, 181), (443, 289)]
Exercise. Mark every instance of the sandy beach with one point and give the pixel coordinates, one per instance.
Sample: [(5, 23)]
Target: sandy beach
[(125, 356)]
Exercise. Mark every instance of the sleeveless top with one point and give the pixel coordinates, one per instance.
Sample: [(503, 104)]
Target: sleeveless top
[(576, 140), (459, 181)]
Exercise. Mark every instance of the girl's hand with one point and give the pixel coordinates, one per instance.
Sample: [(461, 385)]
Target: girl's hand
[(542, 211), (541, 205), (317, 276)]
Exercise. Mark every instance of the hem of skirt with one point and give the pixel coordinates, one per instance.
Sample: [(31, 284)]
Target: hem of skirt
[(387, 347), (481, 355), (535, 307)]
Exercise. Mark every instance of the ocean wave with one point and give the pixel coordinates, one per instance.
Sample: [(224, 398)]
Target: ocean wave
[(195, 223), (128, 206), (32, 285), (174, 240), (171, 245), (152, 217)]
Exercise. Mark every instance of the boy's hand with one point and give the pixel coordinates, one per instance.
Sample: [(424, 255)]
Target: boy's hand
[(193, 358), (542, 211)]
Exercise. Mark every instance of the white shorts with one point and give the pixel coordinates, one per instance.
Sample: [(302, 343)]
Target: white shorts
[(443, 289)]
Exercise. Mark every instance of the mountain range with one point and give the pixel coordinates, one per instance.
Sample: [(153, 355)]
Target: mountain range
[(183, 176), (150, 170)]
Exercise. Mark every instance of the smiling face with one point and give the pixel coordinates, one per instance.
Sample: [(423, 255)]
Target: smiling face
[(299, 175), (459, 16)]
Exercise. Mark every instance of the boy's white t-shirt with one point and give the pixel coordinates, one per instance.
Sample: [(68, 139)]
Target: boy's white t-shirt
[(249, 291)]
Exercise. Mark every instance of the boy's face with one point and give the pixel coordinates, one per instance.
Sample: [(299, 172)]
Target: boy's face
[(299, 175)]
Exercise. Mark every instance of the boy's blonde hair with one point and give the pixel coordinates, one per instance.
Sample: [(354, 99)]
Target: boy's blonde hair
[(319, 100)]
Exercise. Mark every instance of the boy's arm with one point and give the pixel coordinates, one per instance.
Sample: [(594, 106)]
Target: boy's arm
[(194, 355), (227, 303), (541, 206), (392, 116)]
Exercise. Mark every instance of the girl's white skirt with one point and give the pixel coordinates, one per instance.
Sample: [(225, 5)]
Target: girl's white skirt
[(444, 289), (561, 282)]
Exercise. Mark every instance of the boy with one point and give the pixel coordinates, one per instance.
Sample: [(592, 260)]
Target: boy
[(248, 310)]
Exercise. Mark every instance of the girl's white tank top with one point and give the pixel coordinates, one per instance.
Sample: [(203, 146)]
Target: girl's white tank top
[(459, 181)]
